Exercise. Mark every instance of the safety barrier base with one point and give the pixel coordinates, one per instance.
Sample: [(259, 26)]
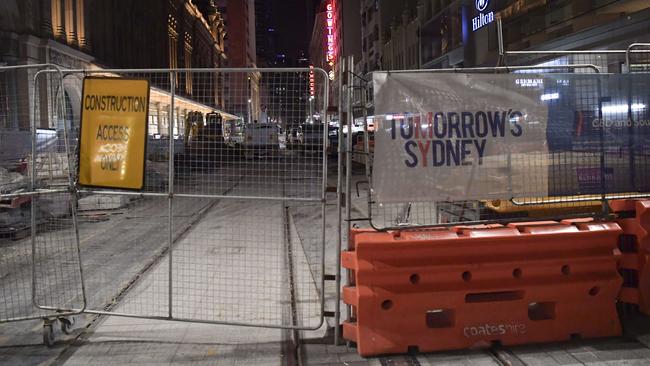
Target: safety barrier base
[(463, 287), (634, 243)]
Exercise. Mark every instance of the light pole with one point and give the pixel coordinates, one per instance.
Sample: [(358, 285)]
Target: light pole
[(249, 111)]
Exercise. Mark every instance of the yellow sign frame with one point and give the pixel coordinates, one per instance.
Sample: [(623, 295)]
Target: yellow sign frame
[(113, 132)]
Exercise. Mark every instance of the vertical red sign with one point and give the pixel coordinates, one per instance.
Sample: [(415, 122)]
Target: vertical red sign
[(329, 32), (312, 85)]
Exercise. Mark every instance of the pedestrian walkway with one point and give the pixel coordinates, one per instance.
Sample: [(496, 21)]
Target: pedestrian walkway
[(126, 341), (213, 281)]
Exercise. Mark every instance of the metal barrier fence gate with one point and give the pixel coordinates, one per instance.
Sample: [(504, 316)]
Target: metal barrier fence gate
[(229, 226), (40, 265)]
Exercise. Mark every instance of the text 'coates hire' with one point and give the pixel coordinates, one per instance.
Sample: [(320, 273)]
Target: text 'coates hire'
[(452, 138)]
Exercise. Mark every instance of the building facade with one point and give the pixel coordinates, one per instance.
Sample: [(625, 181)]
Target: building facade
[(464, 32), (36, 32), (325, 46), (242, 90), (401, 50), (99, 34), (376, 19)]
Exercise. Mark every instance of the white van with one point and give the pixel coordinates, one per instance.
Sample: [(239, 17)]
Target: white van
[(263, 139)]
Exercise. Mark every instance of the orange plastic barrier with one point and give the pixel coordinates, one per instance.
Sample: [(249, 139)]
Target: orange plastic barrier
[(634, 219), (441, 289)]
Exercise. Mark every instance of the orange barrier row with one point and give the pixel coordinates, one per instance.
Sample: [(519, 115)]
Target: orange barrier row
[(634, 219), (441, 289)]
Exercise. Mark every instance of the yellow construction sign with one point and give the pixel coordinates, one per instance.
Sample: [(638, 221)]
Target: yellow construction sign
[(113, 132)]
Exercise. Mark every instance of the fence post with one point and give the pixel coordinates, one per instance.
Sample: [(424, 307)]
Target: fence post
[(502, 54), (339, 208), (170, 197)]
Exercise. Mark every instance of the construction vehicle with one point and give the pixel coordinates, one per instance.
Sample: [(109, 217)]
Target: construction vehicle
[(199, 130), (203, 142)]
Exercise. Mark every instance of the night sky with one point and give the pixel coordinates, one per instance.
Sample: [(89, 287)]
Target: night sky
[(293, 20)]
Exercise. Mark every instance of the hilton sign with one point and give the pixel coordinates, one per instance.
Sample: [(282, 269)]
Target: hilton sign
[(482, 19)]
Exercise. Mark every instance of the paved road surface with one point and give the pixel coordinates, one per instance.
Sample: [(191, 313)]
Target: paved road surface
[(242, 261)]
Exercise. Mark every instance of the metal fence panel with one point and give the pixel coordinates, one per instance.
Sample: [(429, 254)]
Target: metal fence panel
[(229, 227), (634, 59), (607, 62), (637, 57), (39, 247)]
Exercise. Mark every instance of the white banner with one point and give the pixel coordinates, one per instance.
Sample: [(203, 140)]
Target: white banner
[(452, 137)]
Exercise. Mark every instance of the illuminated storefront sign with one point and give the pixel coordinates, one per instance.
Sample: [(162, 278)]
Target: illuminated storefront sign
[(482, 19), (329, 32)]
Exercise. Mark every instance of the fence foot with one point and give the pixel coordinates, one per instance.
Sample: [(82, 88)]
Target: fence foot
[(48, 332), (67, 324)]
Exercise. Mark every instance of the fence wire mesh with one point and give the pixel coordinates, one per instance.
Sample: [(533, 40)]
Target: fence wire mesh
[(243, 227), (39, 259), (597, 150)]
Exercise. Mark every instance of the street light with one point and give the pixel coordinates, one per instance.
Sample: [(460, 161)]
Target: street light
[(249, 111)]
